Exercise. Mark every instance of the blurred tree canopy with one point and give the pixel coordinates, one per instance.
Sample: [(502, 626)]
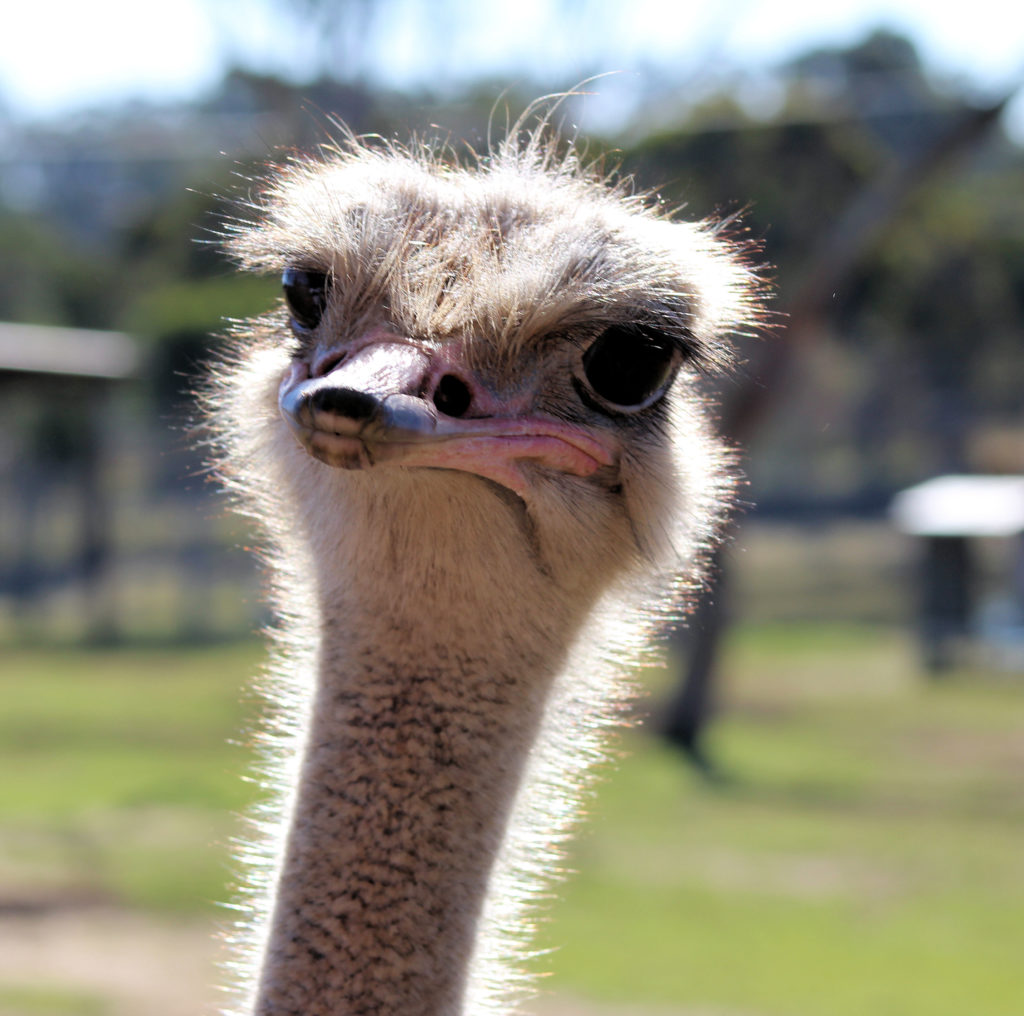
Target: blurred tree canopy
[(927, 327), (113, 220)]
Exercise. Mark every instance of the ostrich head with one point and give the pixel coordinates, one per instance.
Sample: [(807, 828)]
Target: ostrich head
[(522, 322), (470, 426)]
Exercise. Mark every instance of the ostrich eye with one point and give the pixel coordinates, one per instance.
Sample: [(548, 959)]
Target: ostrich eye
[(629, 367), (306, 293)]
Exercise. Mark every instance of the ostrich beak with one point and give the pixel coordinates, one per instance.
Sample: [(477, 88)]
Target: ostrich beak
[(381, 405)]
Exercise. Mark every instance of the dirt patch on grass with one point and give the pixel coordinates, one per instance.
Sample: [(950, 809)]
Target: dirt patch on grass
[(101, 961), (105, 961)]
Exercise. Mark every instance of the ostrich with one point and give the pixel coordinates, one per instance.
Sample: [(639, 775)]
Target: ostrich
[(471, 436)]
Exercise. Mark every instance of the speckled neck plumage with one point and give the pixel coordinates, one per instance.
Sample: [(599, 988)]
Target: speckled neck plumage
[(402, 808), (425, 708)]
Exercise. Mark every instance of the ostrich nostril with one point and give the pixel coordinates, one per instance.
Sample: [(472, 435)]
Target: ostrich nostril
[(452, 396), (325, 365)]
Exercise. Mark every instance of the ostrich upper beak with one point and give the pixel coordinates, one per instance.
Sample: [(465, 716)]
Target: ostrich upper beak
[(381, 404)]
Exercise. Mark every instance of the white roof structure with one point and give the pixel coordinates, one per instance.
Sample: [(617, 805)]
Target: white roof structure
[(962, 506), (78, 352)]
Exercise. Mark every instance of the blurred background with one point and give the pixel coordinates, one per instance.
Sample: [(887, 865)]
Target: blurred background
[(821, 813)]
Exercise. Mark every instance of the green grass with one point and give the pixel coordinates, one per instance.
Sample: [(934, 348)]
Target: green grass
[(863, 853), (123, 774), (33, 1001)]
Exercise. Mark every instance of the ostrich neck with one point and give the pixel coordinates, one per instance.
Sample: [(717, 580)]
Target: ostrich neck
[(424, 711)]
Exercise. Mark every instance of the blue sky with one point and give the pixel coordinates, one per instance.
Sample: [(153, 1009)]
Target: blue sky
[(67, 55)]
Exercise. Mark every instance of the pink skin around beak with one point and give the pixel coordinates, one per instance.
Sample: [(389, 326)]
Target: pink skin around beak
[(379, 404)]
